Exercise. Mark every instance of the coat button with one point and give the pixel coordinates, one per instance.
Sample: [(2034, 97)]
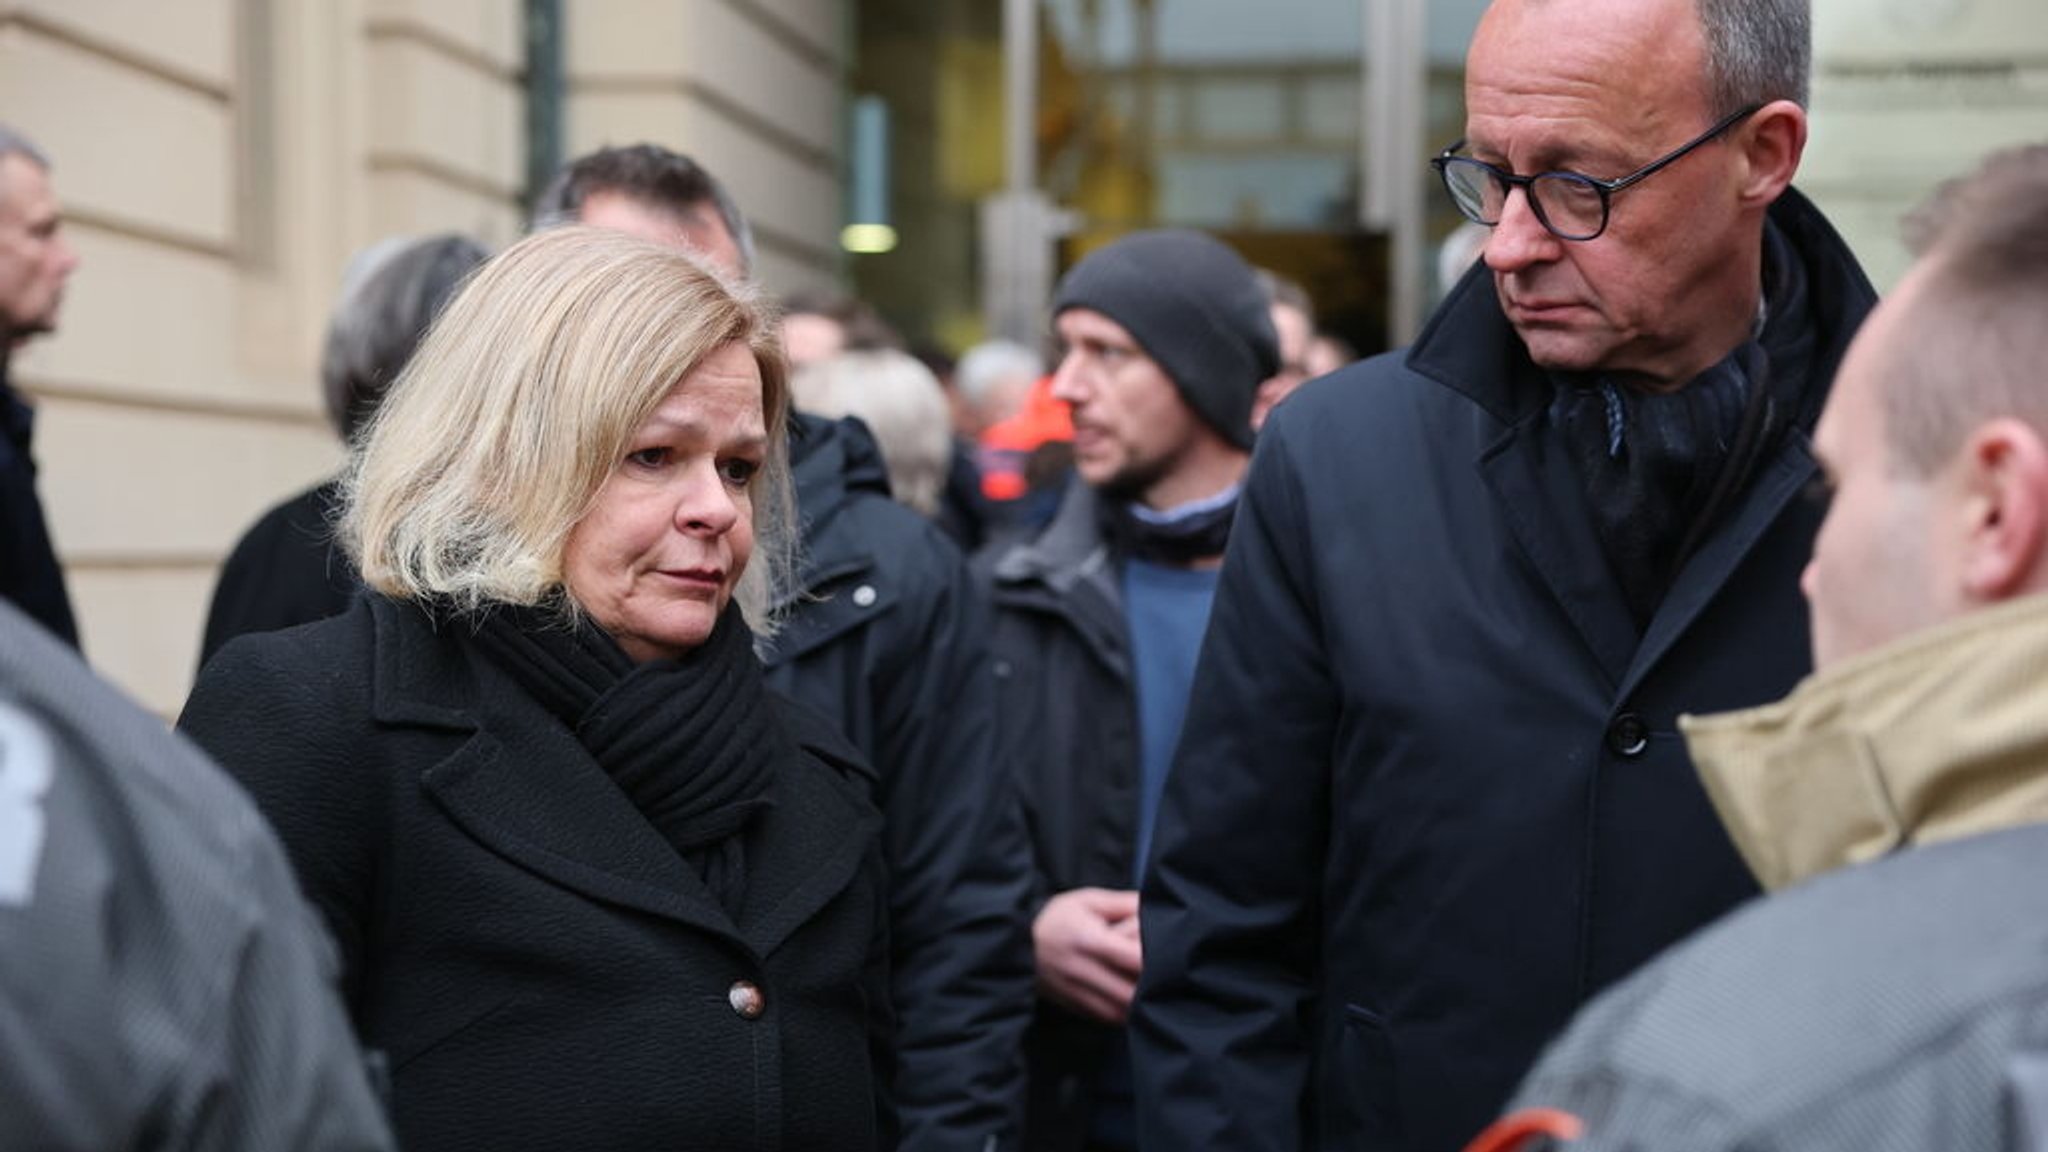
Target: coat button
[(746, 999), (864, 596), (1628, 735)]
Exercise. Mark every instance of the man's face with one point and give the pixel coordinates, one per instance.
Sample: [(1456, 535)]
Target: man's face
[(700, 230), (1602, 87), (1296, 333), (1879, 563), (808, 338), (35, 260), (1131, 427)]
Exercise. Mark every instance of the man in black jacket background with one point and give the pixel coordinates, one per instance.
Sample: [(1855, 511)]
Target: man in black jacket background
[(1431, 796), (35, 261)]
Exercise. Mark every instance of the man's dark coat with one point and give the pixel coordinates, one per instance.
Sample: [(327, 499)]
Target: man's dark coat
[(1431, 795)]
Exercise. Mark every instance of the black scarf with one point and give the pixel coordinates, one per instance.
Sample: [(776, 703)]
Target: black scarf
[(693, 742), (1661, 469), (1177, 539)]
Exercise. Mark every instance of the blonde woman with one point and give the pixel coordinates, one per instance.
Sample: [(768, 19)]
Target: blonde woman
[(594, 887)]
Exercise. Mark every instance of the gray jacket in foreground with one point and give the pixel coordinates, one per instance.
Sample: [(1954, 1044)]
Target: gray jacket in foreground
[(1876, 1008), (163, 983), (1893, 993)]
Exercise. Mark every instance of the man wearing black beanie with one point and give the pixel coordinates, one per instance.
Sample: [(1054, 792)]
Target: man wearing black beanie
[(1099, 620)]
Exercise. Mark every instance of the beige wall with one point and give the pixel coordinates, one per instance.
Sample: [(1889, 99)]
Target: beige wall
[(748, 87), (219, 160), (1908, 93)]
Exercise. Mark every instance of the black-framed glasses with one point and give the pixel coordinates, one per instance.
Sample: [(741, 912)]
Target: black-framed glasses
[(1572, 205)]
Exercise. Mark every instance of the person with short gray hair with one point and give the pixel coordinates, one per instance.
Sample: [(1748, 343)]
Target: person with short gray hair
[(901, 403), (286, 569), (389, 296), (36, 260), (994, 377), (1757, 50)]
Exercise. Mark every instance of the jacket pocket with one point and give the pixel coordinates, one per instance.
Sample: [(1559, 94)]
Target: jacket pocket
[(1361, 1096)]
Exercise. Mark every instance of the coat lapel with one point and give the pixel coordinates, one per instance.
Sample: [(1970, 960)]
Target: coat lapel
[(520, 784), (1545, 510), (1067, 572), (1469, 348), (550, 809), (1711, 566), (807, 847)]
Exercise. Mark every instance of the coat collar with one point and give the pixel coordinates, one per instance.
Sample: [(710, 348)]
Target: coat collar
[(1470, 348), (518, 782), (1069, 550), (1067, 570), (832, 464), (1937, 736)]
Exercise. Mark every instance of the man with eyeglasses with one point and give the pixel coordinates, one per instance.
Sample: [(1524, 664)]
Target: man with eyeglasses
[(1431, 795), (1887, 996)]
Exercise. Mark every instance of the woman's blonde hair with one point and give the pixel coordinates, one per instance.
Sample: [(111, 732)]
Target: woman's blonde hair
[(521, 401)]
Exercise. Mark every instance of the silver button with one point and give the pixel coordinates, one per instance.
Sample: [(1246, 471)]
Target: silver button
[(864, 596), (746, 999)]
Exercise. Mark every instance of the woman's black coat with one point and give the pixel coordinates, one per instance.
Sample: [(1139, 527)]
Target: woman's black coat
[(541, 969)]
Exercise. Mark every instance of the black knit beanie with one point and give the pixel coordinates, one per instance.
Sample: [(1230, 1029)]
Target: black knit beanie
[(1195, 308)]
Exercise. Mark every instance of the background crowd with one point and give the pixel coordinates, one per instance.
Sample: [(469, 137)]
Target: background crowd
[(692, 718)]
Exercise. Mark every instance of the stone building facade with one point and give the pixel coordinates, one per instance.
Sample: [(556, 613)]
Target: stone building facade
[(220, 160)]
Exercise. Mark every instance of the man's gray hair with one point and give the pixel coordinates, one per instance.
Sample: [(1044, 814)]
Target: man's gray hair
[(650, 174), (990, 363), (389, 297), (13, 143), (1757, 51)]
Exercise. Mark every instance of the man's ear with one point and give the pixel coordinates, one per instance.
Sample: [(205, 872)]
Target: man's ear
[(1772, 140), (2004, 485)]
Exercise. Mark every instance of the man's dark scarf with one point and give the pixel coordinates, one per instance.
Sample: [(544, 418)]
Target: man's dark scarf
[(1661, 469), (693, 742), (1173, 541)]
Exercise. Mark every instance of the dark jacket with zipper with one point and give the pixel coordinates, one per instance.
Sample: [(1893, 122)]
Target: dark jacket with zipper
[(1070, 728), (1431, 795), (887, 636), (539, 965)]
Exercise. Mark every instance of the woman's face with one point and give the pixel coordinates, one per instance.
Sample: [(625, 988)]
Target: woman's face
[(655, 560)]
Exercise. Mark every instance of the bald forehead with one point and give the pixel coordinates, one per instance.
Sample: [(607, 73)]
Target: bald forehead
[(1576, 47), (1599, 73), (697, 227), (22, 176)]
